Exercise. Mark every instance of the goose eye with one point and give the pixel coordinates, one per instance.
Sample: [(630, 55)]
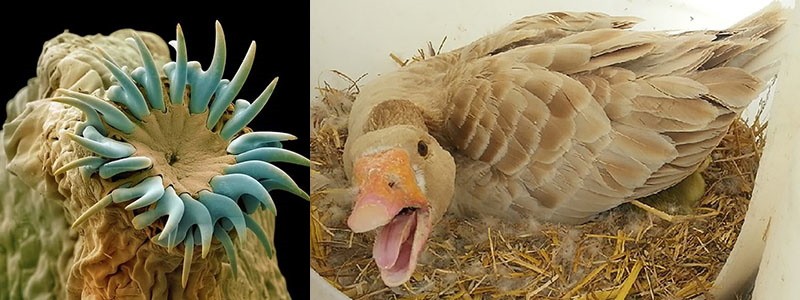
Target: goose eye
[(422, 148)]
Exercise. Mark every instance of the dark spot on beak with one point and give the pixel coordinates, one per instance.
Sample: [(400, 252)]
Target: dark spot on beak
[(407, 211)]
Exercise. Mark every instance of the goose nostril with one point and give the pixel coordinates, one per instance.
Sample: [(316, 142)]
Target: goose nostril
[(407, 210)]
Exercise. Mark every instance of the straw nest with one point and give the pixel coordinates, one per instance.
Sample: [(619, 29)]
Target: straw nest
[(652, 249)]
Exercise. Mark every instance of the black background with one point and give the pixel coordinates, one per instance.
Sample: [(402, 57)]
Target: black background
[(282, 50)]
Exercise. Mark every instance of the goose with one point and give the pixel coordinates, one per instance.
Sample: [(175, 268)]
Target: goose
[(558, 117)]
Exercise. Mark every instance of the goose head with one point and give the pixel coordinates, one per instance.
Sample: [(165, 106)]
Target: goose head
[(404, 181)]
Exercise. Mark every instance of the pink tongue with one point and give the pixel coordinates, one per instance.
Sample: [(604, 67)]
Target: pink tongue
[(391, 238)]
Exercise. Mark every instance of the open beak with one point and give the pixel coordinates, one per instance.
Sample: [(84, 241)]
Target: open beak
[(390, 200)]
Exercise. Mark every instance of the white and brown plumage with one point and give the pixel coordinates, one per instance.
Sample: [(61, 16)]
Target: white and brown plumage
[(557, 116)]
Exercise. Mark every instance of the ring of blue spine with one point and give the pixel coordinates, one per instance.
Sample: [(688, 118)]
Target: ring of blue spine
[(239, 192)]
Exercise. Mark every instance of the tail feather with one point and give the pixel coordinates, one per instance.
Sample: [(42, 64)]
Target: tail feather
[(757, 42)]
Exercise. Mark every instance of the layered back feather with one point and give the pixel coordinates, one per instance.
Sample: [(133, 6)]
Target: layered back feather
[(564, 115)]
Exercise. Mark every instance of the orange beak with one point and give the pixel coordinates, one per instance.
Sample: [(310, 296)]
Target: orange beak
[(386, 185)]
